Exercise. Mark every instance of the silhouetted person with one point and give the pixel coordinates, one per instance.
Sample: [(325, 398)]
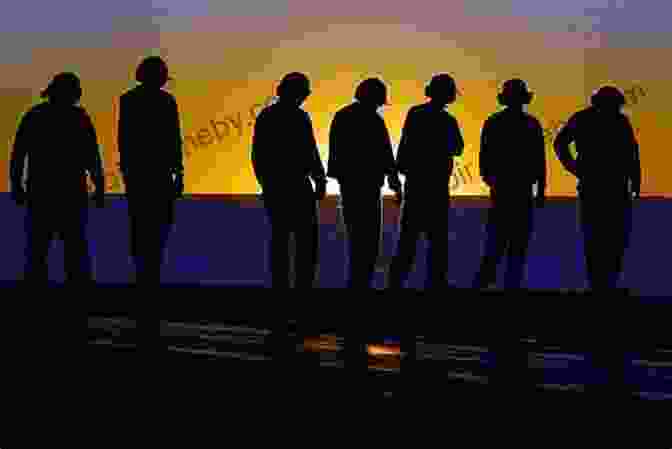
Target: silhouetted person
[(59, 140), (360, 158), (608, 170), (285, 157), (430, 139), (512, 161), (150, 150)]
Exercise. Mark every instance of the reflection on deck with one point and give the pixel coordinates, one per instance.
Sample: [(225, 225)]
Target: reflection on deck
[(558, 368)]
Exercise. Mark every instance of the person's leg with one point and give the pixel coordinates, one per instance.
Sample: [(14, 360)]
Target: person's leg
[(622, 225), (77, 257), (278, 246), (39, 234), (353, 222), (372, 210), (495, 246), (137, 242), (437, 255), (520, 231), (362, 213), (164, 226), (149, 237), (593, 244), (307, 245), (406, 248)]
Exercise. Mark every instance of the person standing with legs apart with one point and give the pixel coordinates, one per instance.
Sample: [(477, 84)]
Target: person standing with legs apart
[(59, 140), (608, 170), (512, 160), (430, 139), (285, 158), (360, 158)]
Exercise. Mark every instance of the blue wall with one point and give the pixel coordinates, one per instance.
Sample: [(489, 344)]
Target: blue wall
[(224, 241)]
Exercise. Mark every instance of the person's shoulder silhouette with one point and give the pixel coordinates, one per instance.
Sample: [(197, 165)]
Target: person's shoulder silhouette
[(606, 146), (149, 136), (60, 141), (512, 141)]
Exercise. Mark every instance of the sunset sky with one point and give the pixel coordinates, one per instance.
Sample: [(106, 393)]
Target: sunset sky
[(226, 57)]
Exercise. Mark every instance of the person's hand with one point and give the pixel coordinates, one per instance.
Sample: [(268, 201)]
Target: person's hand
[(179, 185), (19, 196), (320, 189), (636, 193)]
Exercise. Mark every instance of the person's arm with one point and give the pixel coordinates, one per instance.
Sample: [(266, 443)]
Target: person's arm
[(404, 153), (635, 167), (316, 168), (124, 139), (18, 158), (389, 164), (540, 169), (94, 164), (178, 164), (565, 137), (456, 136), (485, 154), (258, 142), (333, 162)]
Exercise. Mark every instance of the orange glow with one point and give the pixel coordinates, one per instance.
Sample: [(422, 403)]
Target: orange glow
[(383, 350)]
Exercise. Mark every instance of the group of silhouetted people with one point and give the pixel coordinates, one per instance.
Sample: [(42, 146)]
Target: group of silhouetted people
[(512, 164), (60, 143)]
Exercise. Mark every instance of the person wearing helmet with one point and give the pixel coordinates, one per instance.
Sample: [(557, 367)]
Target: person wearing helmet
[(512, 160), (360, 158), (430, 139), (150, 153), (285, 157), (59, 140), (608, 172)]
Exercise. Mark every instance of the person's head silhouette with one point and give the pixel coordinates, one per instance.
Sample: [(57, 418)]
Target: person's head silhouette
[(442, 89), (152, 72), (608, 98), (514, 94), (293, 88), (372, 92), (64, 88)]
